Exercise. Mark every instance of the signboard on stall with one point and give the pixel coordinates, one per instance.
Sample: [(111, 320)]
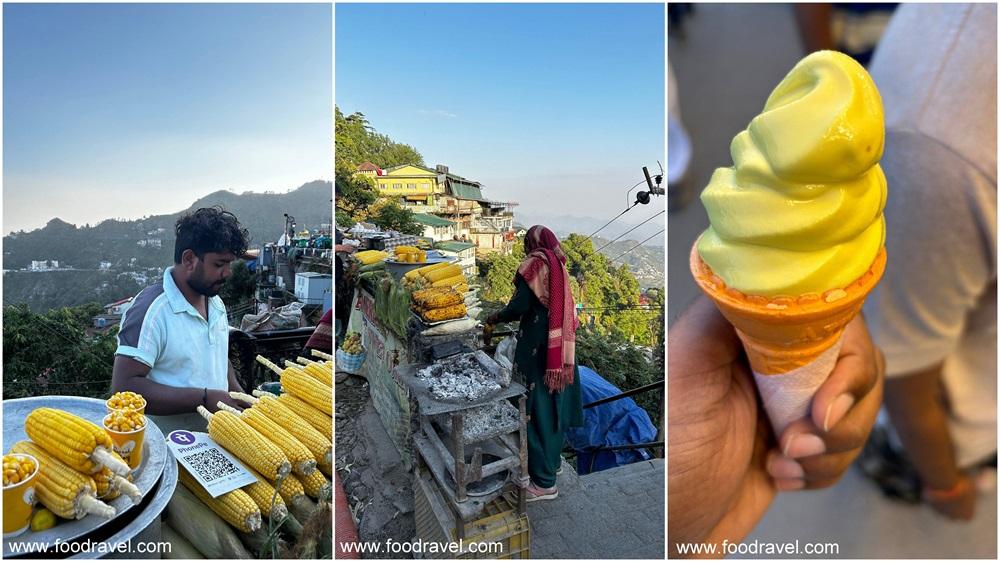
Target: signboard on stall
[(385, 352)]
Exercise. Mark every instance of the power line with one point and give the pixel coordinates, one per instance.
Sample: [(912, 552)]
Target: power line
[(619, 214), (630, 230), (639, 244)]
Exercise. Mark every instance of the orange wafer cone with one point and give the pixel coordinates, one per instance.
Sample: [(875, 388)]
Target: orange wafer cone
[(788, 335)]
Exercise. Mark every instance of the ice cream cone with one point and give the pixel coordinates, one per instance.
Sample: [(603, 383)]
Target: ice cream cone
[(792, 342)]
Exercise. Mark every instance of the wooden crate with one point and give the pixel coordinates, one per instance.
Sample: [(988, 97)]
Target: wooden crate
[(500, 523)]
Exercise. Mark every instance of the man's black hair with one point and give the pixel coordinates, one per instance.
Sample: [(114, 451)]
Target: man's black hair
[(210, 229)]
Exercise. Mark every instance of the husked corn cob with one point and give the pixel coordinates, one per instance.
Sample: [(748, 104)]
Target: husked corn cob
[(270, 504), (111, 485), (369, 257), (452, 281), (318, 420), (442, 299), (326, 469), (228, 430), (449, 270), (420, 271), (314, 371), (75, 441), (406, 250), (64, 491), (289, 489), (295, 381), (269, 405), (315, 485), (235, 507), (301, 458), (447, 313)]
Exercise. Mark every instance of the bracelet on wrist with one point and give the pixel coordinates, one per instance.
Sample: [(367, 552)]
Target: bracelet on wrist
[(951, 493)]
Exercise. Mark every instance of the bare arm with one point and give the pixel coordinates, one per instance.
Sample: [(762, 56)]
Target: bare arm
[(916, 406), (234, 385), (161, 400)]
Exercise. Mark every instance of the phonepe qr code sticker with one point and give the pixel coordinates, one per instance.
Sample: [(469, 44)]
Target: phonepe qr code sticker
[(213, 467)]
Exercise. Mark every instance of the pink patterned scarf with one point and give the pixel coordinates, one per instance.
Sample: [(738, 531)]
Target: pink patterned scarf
[(545, 256)]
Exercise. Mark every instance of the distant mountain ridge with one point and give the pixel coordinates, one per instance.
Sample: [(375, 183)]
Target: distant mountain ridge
[(128, 248), (116, 241)]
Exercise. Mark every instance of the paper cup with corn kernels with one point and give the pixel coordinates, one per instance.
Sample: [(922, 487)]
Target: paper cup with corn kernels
[(126, 429), (19, 471)]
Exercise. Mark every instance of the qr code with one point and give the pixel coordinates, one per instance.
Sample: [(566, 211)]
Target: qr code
[(211, 465)]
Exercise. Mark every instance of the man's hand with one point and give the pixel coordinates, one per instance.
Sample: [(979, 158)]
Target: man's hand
[(725, 463), (215, 396)]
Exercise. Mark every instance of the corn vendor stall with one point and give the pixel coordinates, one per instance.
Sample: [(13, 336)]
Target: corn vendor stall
[(452, 411), (95, 479)]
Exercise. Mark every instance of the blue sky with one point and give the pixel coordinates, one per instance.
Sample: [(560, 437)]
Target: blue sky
[(118, 110), (557, 106)]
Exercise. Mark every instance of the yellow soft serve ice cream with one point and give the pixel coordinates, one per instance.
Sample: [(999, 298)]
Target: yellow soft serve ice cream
[(801, 209)]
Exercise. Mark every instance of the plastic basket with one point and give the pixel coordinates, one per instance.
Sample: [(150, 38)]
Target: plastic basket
[(350, 363)]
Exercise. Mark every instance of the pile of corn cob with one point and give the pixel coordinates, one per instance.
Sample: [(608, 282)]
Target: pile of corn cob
[(436, 275), (410, 254), (285, 441), (77, 465), (438, 304)]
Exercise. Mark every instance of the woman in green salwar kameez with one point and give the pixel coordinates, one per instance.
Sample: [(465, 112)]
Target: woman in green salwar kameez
[(545, 355)]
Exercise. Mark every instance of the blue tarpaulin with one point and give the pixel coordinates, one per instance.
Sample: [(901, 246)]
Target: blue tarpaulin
[(621, 422)]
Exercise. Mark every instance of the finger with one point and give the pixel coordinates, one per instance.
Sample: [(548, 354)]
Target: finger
[(813, 470), (854, 375), (802, 438)]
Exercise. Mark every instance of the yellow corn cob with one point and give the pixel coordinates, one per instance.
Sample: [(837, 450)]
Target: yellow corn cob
[(75, 441), (289, 489), (369, 257), (450, 281), (326, 469), (440, 299), (445, 272), (301, 458), (322, 366), (406, 250), (414, 273), (320, 446), (317, 419), (314, 371), (315, 485), (296, 382), (64, 491), (262, 493), (228, 430), (235, 507), (447, 313)]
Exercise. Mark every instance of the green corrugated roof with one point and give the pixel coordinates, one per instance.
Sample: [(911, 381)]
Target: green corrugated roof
[(452, 246), (466, 191), (431, 220)]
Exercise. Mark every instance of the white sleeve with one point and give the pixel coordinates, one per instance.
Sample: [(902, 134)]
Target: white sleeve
[(941, 246)]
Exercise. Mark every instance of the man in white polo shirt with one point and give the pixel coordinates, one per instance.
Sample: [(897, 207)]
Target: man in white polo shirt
[(173, 344)]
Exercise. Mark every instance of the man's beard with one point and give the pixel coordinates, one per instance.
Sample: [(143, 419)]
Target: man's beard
[(198, 283)]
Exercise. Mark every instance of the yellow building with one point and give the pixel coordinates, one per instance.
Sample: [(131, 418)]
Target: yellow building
[(416, 185)]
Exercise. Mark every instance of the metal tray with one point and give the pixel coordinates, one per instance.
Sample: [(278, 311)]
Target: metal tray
[(155, 456)]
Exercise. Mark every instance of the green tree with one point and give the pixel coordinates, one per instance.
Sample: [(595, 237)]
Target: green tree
[(356, 141), (620, 362), (354, 195), (497, 271), (390, 215), (238, 291), (52, 353)]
